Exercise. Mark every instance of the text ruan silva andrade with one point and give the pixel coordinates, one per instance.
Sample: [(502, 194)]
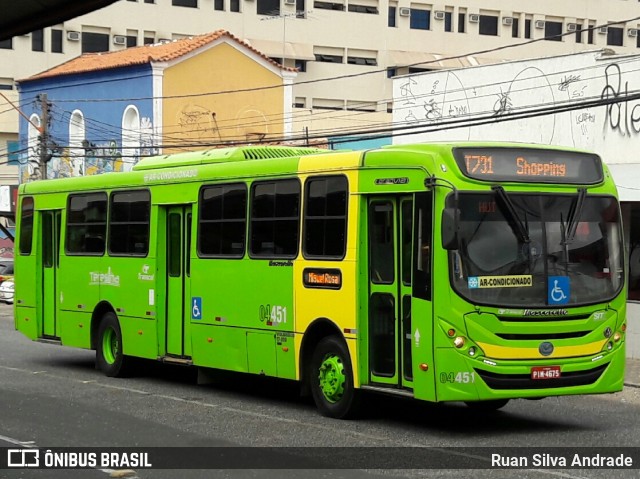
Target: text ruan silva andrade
[(556, 461)]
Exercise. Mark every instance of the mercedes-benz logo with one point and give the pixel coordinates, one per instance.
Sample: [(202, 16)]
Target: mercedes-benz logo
[(545, 348)]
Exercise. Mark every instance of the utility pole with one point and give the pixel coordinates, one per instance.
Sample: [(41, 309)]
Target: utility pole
[(44, 135)]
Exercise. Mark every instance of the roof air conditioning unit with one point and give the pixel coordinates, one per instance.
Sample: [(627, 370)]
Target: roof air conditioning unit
[(73, 36), (539, 23), (438, 15), (507, 20), (474, 18), (290, 2), (572, 27), (119, 40), (603, 30), (405, 11), (632, 32)]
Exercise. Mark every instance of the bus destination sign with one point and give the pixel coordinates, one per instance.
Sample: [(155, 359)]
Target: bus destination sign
[(529, 165)]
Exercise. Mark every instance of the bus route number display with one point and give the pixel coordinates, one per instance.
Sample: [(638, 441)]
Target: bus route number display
[(529, 165)]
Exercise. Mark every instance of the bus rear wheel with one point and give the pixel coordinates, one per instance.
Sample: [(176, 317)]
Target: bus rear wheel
[(109, 357), (489, 405), (331, 379)]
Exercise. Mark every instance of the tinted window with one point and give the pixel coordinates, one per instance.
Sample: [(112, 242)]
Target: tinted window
[(86, 224), (275, 218), (26, 226), (325, 217), (129, 223), (95, 42), (222, 222), (488, 25)]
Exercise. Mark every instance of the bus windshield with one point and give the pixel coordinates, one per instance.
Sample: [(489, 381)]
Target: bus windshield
[(537, 250)]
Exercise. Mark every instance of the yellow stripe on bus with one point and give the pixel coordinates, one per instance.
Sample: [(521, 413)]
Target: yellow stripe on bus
[(507, 352)]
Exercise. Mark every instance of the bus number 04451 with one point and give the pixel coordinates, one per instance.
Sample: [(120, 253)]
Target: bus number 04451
[(273, 314), (459, 377)]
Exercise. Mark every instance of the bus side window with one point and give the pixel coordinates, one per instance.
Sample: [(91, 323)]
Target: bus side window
[(422, 241)]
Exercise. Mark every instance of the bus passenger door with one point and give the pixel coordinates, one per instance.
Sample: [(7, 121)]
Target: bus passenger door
[(50, 245), (390, 221), (178, 310)]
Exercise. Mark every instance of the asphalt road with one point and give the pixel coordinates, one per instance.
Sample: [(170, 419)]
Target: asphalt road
[(52, 396)]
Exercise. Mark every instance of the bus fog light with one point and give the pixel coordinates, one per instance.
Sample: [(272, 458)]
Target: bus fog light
[(458, 342), (617, 337), (609, 346), (472, 351)]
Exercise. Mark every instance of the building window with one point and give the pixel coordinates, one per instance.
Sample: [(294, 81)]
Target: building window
[(632, 211), (553, 31), (488, 25), (56, 41), (149, 40), (129, 218), (6, 44), (218, 5), (300, 9), (268, 7), (185, 3), (328, 58), (234, 5), (614, 36), (448, 25), (301, 65), (325, 218), (579, 33), (461, 22), (223, 220), (86, 224), (420, 19), (515, 27), (391, 22), (149, 1), (132, 41), (95, 42), (527, 28), (275, 219), (361, 61), (37, 40), (363, 9), (590, 33), (329, 6)]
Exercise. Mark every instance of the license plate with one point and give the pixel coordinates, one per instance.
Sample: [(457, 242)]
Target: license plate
[(545, 372)]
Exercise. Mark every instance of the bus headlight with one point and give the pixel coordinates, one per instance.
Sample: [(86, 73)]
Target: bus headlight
[(458, 342)]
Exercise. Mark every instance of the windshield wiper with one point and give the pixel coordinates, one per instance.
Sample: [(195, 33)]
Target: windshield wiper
[(514, 220), (575, 212)]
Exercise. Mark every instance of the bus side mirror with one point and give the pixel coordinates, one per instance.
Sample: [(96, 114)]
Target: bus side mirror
[(450, 227)]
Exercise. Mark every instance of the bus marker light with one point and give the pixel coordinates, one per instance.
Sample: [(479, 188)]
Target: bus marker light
[(617, 337), (472, 351), (209, 340), (140, 332), (80, 325), (285, 349), (623, 328), (451, 333), (458, 342), (350, 331), (424, 367)]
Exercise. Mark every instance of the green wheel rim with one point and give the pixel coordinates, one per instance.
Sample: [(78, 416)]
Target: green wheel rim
[(332, 378), (110, 346)]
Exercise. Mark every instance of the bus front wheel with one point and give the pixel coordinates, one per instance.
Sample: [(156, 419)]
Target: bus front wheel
[(109, 355), (331, 379)]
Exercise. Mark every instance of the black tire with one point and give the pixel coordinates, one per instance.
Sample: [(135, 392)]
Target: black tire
[(331, 380), (109, 357), (489, 405)]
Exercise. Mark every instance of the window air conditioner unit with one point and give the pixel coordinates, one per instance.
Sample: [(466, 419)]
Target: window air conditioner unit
[(73, 36), (632, 32), (438, 15), (290, 2), (507, 20), (474, 18), (603, 30), (405, 11), (572, 27), (119, 40), (539, 23)]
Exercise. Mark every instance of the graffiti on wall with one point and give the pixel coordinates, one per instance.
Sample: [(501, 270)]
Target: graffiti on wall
[(469, 104), (93, 158)]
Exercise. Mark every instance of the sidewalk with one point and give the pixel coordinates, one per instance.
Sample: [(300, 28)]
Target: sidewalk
[(632, 373)]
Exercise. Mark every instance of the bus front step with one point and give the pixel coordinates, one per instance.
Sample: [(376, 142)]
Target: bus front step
[(176, 360), (384, 390), (55, 341)]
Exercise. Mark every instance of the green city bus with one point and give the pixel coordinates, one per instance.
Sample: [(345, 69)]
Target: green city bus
[(475, 272)]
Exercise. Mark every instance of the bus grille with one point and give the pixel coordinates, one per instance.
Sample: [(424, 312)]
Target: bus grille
[(524, 381)]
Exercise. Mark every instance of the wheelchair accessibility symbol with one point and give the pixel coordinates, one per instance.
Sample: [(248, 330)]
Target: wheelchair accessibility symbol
[(196, 307), (558, 290)]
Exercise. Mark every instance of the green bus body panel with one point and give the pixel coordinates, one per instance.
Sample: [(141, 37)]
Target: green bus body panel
[(252, 316)]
